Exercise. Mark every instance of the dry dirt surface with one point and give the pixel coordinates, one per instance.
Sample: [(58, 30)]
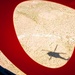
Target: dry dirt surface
[(46, 31)]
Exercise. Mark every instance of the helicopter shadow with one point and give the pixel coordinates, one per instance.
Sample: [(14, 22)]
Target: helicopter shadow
[(55, 54)]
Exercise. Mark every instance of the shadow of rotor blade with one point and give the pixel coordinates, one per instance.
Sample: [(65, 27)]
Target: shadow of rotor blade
[(55, 47), (44, 50), (61, 53), (50, 58)]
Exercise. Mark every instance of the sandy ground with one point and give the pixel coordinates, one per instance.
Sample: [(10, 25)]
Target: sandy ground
[(4, 62), (45, 27)]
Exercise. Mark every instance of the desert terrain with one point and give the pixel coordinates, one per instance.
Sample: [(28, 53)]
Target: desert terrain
[(46, 31)]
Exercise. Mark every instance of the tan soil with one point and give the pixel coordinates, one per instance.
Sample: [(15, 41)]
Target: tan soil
[(40, 26)]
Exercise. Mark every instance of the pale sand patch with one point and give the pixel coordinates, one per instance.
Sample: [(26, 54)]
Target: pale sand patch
[(40, 26), (4, 62)]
